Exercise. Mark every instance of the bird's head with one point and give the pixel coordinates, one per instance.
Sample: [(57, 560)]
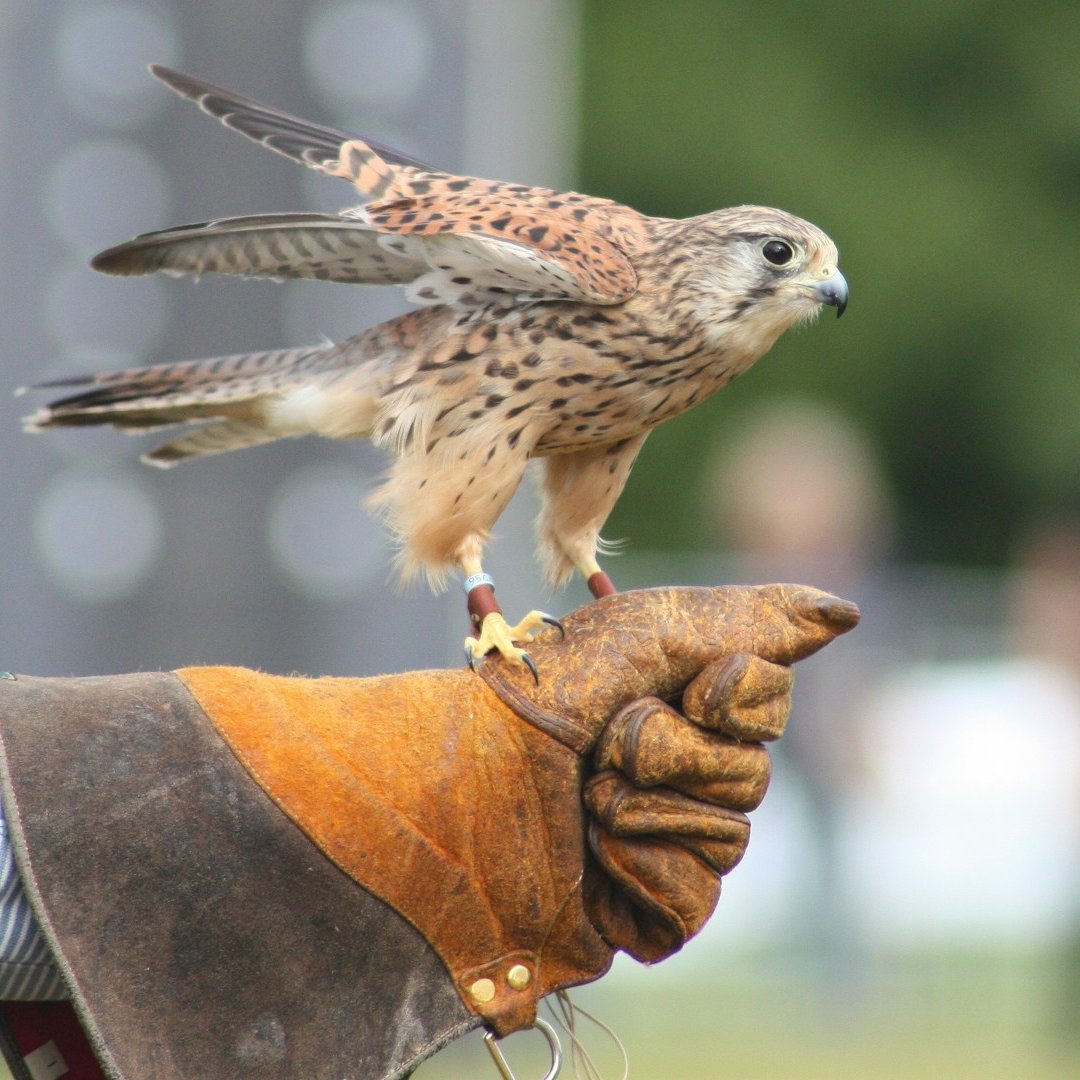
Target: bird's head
[(753, 272)]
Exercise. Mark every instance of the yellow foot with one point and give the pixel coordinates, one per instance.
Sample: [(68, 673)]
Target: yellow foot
[(495, 634)]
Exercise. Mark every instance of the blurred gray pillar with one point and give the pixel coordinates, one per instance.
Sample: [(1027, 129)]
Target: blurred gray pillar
[(219, 536)]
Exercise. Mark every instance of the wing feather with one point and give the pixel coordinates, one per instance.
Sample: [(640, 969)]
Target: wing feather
[(556, 247), (451, 239), (314, 145), (326, 247)]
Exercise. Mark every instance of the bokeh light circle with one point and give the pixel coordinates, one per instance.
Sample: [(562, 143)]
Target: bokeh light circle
[(101, 55), (103, 191), (99, 536), (372, 52), (84, 310), (319, 535)]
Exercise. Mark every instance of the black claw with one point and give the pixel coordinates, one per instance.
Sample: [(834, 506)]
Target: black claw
[(470, 659), (552, 621), (528, 661)]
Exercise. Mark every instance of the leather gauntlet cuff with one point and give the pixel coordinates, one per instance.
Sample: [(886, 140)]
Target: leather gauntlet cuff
[(198, 930), (430, 793)]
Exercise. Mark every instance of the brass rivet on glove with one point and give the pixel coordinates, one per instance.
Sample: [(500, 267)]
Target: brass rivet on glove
[(519, 977), (482, 991)]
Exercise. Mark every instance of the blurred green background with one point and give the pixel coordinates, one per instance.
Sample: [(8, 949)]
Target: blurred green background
[(939, 145)]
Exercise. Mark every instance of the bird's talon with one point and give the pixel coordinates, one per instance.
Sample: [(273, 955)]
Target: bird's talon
[(496, 636), (528, 661), (552, 621)]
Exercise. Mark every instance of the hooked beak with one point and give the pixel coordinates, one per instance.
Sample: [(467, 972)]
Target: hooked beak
[(832, 291)]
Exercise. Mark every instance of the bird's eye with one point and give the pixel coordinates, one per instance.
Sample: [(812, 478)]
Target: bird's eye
[(778, 252)]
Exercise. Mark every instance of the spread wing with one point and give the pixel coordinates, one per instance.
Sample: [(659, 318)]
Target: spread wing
[(449, 239), (314, 145), (326, 247)]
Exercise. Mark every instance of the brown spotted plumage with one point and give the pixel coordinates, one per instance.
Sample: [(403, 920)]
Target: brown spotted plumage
[(553, 325)]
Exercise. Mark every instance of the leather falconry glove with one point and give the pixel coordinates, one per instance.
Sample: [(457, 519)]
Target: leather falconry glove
[(380, 864), (669, 802)]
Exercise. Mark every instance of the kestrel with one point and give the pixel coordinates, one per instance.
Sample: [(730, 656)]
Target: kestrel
[(552, 325)]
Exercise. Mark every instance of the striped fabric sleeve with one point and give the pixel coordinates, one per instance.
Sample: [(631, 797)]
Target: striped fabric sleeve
[(27, 971)]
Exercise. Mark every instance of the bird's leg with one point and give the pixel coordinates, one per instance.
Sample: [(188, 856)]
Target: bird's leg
[(601, 585), (490, 627), (598, 581), (579, 489)]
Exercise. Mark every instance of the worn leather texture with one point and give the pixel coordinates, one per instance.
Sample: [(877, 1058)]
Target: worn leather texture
[(472, 786), (202, 935), (435, 795), (652, 643)]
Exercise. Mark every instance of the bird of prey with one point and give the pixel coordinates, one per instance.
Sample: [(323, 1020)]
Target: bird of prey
[(552, 325)]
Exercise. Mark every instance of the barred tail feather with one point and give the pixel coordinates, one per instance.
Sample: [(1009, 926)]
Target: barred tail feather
[(228, 400), (213, 437), (172, 393)]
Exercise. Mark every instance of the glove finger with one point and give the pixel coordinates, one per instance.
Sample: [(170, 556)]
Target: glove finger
[(652, 746), (743, 696), (716, 835), (656, 896)]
